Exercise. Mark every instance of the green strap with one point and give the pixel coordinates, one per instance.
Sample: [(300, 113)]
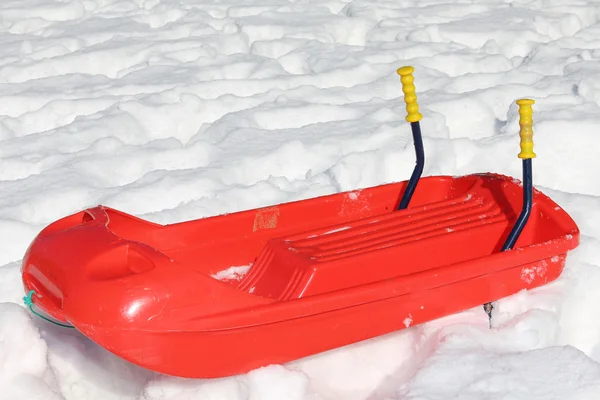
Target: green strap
[(29, 302)]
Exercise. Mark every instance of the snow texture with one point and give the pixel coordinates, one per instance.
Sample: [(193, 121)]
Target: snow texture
[(180, 109)]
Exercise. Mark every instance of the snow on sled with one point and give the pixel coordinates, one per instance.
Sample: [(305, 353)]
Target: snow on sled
[(321, 273)]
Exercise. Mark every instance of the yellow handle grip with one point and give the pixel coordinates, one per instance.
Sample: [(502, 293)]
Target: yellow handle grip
[(526, 123), (410, 97)]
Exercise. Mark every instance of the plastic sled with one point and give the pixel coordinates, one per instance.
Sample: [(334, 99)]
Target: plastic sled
[(313, 275)]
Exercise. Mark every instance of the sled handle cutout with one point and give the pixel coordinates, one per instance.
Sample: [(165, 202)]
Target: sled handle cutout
[(526, 123), (28, 300), (414, 116)]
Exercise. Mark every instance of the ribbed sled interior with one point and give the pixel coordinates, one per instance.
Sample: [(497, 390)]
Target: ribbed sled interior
[(376, 248)]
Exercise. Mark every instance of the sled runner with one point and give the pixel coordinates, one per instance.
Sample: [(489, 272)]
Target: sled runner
[(226, 294)]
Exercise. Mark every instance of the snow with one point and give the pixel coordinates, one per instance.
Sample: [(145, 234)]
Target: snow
[(528, 274), (173, 110), (234, 273)]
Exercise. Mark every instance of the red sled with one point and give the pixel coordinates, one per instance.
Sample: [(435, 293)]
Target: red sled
[(227, 294)]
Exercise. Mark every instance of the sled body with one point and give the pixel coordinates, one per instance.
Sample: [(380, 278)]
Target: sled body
[(313, 275)]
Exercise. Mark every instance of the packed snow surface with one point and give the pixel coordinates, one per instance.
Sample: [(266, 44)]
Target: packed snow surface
[(180, 109)]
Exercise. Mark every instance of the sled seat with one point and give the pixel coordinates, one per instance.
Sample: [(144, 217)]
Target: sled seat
[(379, 247)]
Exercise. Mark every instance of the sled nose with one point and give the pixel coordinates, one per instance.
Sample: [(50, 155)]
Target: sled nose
[(53, 263)]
